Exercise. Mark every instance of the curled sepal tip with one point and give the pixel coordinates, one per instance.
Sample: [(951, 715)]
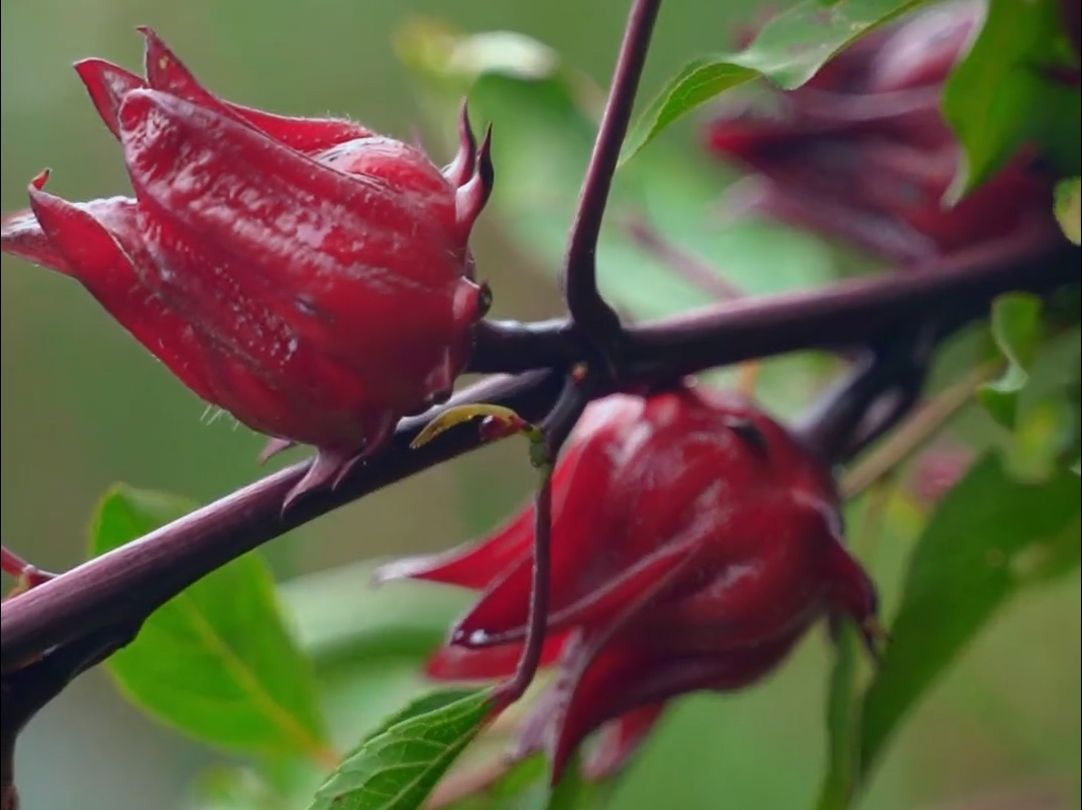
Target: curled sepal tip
[(459, 170), (39, 180), (471, 196), (498, 422)]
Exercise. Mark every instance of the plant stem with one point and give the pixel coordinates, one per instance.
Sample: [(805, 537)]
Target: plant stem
[(912, 434), (956, 288), (597, 320), (134, 579)]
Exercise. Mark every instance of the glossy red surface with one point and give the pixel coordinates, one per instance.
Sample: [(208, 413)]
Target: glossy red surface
[(307, 275), (693, 542), (862, 152)]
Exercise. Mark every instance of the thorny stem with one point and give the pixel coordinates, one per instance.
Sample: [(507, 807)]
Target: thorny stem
[(588, 309), (850, 313), (138, 577), (142, 575), (57, 629)]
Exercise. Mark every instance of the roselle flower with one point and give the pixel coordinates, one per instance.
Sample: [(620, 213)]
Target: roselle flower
[(693, 543), (309, 276), (862, 152)]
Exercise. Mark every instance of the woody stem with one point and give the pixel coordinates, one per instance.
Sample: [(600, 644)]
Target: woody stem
[(589, 311)]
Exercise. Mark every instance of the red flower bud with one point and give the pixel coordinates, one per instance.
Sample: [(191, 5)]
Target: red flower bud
[(693, 542), (307, 275), (862, 152)]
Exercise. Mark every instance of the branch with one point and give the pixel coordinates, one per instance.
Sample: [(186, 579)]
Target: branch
[(918, 429), (24, 693), (134, 579), (853, 313), (588, 309), (952, 289), (138, 577)]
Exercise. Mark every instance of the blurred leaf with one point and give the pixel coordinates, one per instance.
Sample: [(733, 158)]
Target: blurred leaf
[(1046, 429), (843, 713), (1005, 93), (231, 788), (396, 766), (788, 51), (1016, 328), (525, 786), (544, 118), (576, 792), (215, 661), (341, 618), (1068, 207), (989, 536)]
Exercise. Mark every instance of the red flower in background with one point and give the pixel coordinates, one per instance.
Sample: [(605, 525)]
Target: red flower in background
[(693, 542), (309, 276), (862, 152)]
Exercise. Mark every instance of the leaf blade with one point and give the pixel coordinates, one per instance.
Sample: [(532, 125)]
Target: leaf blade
[(1068, 208), (397, 765), (1016, 329), (787, 51), (1002, 96), (215, 662), (989, 536)]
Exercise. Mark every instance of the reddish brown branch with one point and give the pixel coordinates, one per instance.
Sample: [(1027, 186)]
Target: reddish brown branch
[(588, 309), (138, 577), (134, 579), (854, 313), (55, 630)]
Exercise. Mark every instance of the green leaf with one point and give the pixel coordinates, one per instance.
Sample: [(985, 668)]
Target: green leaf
[(989, 537), (524, 786), (788, 51), (843, 712), (399, 763), (544, 120), (341, 619), (1068, 208), (215, 662), (231, 788), (1004, 93), (1016, 328)]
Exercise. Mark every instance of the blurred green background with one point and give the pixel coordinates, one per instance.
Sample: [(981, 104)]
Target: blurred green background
[(83, 406)]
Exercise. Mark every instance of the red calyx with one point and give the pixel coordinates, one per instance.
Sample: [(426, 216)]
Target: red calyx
[(693, 542), (862, 152), (307, 275)]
